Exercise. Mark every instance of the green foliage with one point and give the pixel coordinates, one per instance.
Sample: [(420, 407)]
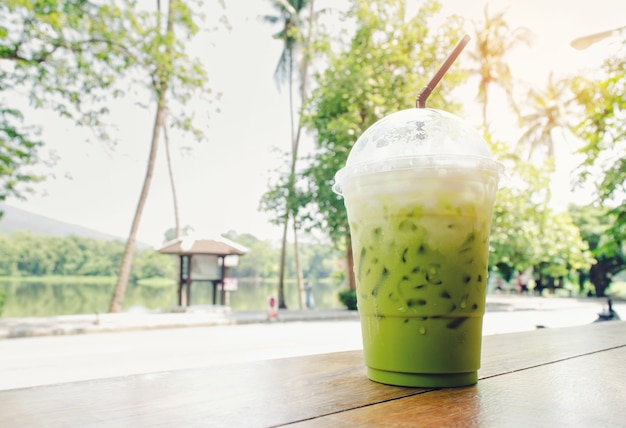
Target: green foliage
[(288, 16), (157, 282), (283, 198), (561, 250), (24, 254), (595, 227), (517, 209), (18, 150), (493, 38), (603, 129), (550, 110), (524, 232), (319, 260), (73, 56), (64, 55), (152, 264), (348, 298), (388, 60), (49, 296), (260, 262), (156, 47)]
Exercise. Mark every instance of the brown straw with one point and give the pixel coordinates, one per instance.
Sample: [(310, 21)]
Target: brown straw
[(420, 101)]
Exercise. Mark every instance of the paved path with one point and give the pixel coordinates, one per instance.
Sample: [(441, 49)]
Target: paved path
[(203, 316), (50, 350)]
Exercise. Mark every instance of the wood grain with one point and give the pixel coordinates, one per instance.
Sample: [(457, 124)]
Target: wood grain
[(585, 391), (333, 389)]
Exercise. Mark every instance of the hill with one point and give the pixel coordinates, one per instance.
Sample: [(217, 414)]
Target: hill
[(15, 219)]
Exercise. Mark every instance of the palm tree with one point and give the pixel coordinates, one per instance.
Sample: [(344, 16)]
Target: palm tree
[(494, 38), (550, 111), (289, 17), (170, 170), (584, 42), (160, 80)]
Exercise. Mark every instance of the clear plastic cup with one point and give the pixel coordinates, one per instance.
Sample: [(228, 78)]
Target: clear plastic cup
[(419, 187)]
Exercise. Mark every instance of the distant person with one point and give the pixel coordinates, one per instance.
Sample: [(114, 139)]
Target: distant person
[(538, 285), (499, 284), (522, 283), (308, 290)]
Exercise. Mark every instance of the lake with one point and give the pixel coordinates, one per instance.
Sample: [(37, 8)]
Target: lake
[(30, 299)]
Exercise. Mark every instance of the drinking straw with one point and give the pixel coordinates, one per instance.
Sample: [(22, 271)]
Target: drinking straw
[(420, 101)]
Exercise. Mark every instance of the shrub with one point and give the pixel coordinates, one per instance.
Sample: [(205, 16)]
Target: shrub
[(348, 298)]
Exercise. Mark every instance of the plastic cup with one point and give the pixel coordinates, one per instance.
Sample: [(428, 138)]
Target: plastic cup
[(419, 187)]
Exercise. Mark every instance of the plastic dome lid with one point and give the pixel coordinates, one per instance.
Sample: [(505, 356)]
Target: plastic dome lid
[(417, 138)]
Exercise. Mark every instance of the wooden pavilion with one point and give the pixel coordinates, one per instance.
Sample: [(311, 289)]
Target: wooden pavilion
[(203, 260)]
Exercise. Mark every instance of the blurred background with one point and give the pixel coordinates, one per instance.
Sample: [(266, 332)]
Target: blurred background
[(125, 125)]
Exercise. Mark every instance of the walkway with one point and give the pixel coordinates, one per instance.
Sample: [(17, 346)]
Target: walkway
[(202, 316)]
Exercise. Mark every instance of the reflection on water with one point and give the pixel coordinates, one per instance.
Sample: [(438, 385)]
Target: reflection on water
[(26, 299)]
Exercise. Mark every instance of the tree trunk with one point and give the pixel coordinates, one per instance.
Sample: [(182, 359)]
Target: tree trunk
[(582, 278), (281, 273), (290, 192), (304, 74), (301, 291), (171, 174), (351, 281), (129, 250), (159, 85), (599, 277)]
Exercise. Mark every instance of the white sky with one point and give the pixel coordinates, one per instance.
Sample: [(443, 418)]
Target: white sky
[(221, 181)]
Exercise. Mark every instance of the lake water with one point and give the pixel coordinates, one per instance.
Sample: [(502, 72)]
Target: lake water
[(28, 299)]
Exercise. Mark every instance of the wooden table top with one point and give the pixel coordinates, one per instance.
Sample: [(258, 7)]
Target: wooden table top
[(552, 377)]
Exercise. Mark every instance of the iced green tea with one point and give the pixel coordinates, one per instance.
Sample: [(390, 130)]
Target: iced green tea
[(420, 240)]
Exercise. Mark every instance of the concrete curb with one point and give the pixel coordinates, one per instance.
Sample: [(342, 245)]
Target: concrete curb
[(207, 316), (11, 328)]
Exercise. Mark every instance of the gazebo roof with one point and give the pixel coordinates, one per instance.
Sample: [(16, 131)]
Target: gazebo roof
[(213, 246)]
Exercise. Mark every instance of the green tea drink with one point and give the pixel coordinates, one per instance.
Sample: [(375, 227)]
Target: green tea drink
[(419, 187), (421, 268)]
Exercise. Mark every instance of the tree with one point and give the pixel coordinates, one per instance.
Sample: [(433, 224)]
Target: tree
[(260, 262), (17, 152), (525, 233), (173, 233), (595, 224), (390, 57), (517, 208), (542, 238), (494, 38), (172, 75), (603, 130), (295, 45), (170, 172), (68, 56), (549, 111), (561, 250), (61, 55)]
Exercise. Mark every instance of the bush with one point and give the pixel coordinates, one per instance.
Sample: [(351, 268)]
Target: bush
[(348, 298)]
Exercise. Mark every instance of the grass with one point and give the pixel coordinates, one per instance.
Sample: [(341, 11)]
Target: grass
[(85, 280), (90, 280), (60, 279), (156, 282)]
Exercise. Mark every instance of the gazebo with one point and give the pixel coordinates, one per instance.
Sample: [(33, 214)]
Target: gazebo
[(203, 260)]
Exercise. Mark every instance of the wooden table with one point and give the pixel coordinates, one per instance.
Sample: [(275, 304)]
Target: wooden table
[(553, 378)]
